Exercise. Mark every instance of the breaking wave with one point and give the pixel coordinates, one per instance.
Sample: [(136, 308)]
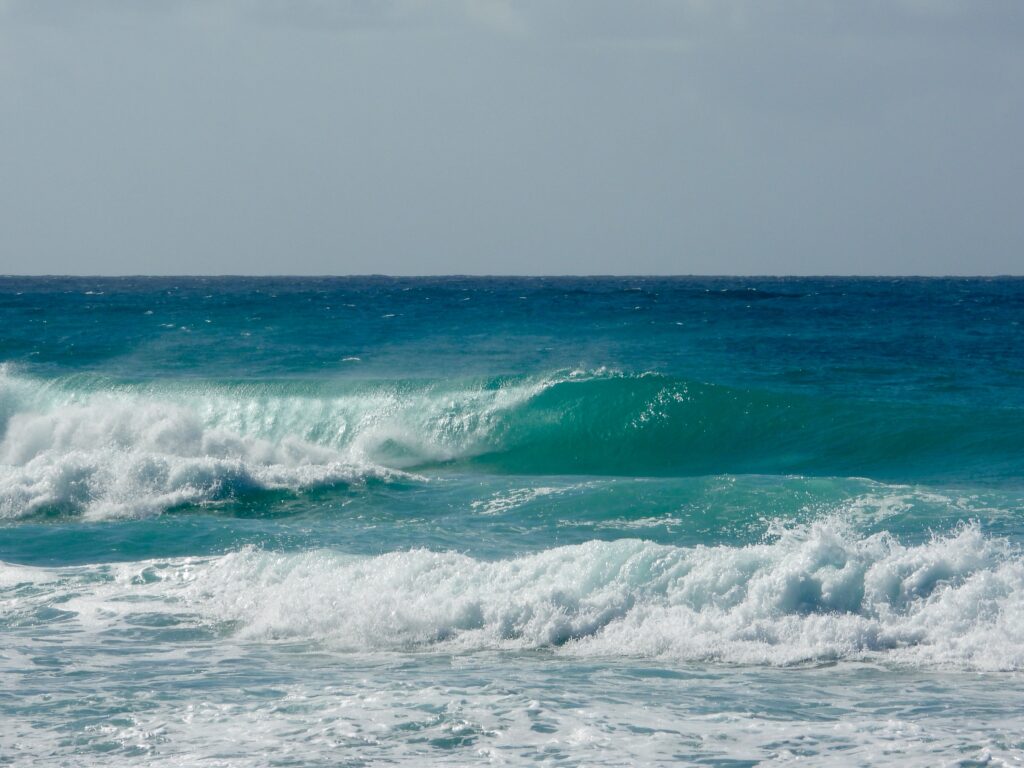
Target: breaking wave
[(111, 454), (105, 448), (813, 593)]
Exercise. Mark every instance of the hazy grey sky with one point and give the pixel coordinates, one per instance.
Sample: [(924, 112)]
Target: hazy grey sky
[(563, 136)]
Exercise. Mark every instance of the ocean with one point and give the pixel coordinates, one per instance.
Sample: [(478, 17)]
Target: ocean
[(511, 521)]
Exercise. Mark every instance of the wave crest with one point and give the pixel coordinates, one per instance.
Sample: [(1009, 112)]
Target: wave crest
[(819, 592), (116, 455), (115, 448)]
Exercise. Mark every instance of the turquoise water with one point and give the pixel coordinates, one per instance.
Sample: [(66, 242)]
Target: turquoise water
[(510, 521)]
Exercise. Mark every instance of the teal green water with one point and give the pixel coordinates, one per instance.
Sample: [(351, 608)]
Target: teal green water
[(470, 521)]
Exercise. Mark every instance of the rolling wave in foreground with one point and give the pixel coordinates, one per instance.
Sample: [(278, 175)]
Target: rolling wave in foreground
[(814, 593), (498, 521)]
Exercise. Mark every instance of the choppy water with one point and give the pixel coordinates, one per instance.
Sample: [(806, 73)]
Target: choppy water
[(511, 521)]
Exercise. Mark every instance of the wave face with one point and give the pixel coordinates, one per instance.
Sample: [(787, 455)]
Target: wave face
[(104, 448), (818, 592), (651, 424)]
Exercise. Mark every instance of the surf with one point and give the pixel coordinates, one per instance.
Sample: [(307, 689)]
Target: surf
[(809, 593)]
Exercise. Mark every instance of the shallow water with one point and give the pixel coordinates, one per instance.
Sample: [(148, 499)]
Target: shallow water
[(467, 521)]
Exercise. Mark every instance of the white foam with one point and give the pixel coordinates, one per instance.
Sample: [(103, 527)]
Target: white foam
[(504, 501), (498, 712), (19, 575), (820, 592), (117, 450), (112, 454)]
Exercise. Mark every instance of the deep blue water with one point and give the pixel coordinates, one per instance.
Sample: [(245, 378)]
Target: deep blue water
[(568, 521)]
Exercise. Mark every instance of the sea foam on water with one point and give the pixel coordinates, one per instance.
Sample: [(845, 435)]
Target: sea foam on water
[(817, 592)]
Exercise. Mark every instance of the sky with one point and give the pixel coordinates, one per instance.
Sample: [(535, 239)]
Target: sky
[(490, 137)]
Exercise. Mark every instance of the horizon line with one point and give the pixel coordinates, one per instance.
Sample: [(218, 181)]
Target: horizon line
[(496, 276)]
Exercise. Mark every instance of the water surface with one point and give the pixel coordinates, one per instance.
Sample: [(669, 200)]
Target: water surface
[(576, 521)]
